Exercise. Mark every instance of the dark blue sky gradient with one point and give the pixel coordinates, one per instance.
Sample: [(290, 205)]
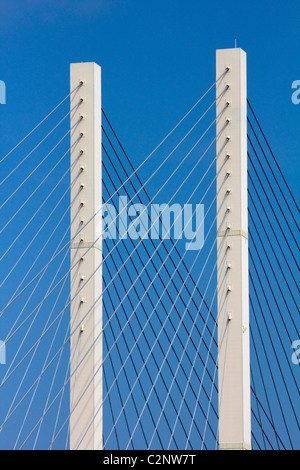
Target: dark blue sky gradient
[(156, 58)]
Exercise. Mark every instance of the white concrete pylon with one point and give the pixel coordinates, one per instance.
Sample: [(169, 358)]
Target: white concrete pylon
[(233, 283), (86, 393)]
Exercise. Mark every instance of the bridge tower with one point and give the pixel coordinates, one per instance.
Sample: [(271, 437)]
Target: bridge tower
[(233, 284), (86, 256)]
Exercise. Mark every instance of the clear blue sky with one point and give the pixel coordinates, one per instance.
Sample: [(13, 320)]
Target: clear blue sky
[(157, 58)]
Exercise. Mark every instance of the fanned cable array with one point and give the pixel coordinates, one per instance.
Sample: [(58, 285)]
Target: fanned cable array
[(35, 232), (159, 290), (274, 295), (158, 302)]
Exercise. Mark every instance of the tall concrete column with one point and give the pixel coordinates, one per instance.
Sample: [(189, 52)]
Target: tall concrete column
[(233, 283), (86, 196)]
